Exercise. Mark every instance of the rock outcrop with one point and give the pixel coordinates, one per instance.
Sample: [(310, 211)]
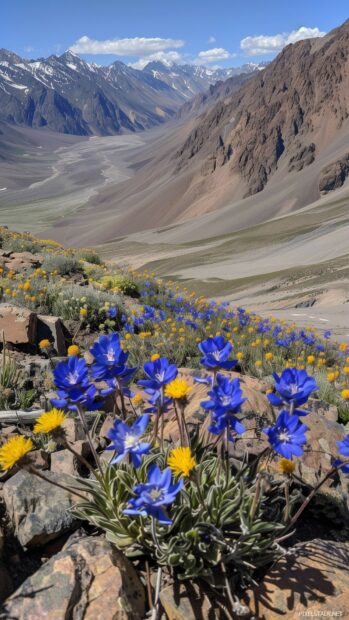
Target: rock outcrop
[(89, 579), (334, 175)]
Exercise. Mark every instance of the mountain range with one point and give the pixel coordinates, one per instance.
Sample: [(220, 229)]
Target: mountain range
[(274, 144), (68, 95)]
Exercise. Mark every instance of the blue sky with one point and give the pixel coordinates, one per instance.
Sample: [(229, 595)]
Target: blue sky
[(215, 33)]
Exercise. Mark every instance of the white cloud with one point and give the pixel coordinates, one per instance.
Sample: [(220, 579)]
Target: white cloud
[(28, 48), (166, 57), (211, 39), (137, 46), (265, 44), (213, 55)]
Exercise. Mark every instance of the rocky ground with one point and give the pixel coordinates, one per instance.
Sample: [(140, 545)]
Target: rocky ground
[(53, 565)]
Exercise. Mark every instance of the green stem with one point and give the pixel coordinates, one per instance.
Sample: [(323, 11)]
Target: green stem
[(88, 437)]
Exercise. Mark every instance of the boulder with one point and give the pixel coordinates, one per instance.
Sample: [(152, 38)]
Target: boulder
[(189, 601), (73, 429), (17, 325), (38, 510), (23, 261), (312, 580), (51, 327), (89, 579), (334, 175), (64, 461)]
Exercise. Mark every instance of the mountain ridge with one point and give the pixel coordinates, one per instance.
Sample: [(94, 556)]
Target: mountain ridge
[(69, 95)]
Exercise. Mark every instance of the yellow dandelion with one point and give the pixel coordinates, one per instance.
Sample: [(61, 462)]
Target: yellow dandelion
[(44, 344), (83, 312), (14, 450), (47, 422), (73, 350), (286, 466), (311, 359), (268, 356), (155, 357), (181, 461), (345, 394), (177, 389)]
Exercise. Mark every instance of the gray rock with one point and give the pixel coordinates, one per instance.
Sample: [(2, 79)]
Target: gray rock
[(39, 511), (88, 580), (17, 324), (334, 175), (51, 327)]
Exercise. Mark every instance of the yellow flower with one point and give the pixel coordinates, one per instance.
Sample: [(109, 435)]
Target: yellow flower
[(73, 350), (311, 359), (137, 400), (343, 346), (47, 422), (240, 355), (286, 466), (181, 461), (155, 357), (178, 388), (345, 394), (346, 370), (26, 286), (258, 363), (331, 376), (14, 450), (44, 344), (83, 312), (268, 356)]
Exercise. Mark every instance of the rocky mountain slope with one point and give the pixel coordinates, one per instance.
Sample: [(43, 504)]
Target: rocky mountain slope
[(66, 94), (283, 116)]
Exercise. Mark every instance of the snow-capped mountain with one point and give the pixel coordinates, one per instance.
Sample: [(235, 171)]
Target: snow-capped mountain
[(190, 80), (69, 95)]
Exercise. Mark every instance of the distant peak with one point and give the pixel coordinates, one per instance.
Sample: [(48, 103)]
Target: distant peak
[(70, 54), (9, 56)]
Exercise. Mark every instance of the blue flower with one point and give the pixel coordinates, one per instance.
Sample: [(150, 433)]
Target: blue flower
[(112, 312), (327, 334), (294, 386), (109, 357), (226, 400), (72, 374), (344, 468), (343, 446), (74, 387), (127, 440), (152, 496), (160, 372), (287, 435), (216, 352)]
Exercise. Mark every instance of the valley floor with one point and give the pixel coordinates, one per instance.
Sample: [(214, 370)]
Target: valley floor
[(294, 265)]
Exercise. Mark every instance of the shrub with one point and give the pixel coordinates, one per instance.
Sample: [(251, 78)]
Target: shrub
[(89, 256), (122, 283), (60, 264)]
